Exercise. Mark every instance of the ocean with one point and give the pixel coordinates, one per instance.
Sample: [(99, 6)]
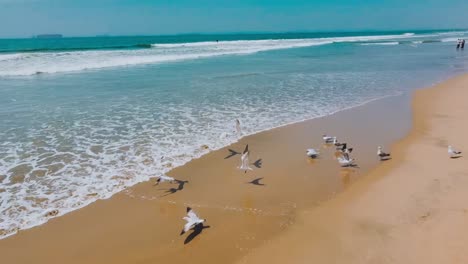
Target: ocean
[(84, 118)]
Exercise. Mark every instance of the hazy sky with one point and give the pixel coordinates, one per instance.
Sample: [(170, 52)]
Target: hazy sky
[(24, 18)]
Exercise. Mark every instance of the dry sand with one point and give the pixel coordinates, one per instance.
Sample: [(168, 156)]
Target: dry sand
[(407, 210)]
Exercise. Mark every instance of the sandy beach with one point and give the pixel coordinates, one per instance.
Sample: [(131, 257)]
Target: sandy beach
[(410, 209)]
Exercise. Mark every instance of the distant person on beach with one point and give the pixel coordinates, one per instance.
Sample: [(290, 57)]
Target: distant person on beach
[(463, 44), (458, 43)]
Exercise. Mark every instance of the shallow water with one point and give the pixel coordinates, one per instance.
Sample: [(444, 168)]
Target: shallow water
[(97, 121)]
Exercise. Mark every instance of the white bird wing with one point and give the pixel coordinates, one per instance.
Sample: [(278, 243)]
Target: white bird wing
[(188, 225), (312, 151), (238, 128), (245, 165), (192, 216), (343, 160), (166, 178), (451, 150)]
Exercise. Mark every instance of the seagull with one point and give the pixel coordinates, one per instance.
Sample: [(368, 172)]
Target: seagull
[(346, 161), (328, 139), (381, 154), (192, 220), (238, 128), (336, 143), (345, 149), (164, 178), (245, 166), (452, 152), (312, 153)]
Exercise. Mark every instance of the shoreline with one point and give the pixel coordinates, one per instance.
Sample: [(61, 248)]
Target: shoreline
[(217, 190), (129, 221), (8, 233)]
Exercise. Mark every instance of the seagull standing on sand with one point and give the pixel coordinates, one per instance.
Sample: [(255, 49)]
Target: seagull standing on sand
[(345, 161), (238, 128), (164, 178), (312, 153), (328, 139), (382, 155), (245, 166), (453, 153), (192, 220)]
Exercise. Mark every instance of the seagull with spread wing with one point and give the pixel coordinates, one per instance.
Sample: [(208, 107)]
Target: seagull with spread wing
[(245, 166), (192, 221)]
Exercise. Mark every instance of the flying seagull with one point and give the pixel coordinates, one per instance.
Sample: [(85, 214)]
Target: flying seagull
[(328, 139), (245, 166), (346, 161), (238, 128), (312, 153), (382, 155), (453, 153), (192, 220), (164, 178)]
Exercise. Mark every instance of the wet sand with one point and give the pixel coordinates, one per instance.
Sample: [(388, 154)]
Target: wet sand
[(246, 222), (412, 209)]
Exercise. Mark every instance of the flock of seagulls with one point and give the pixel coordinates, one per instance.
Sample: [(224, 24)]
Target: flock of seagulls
[(344, 160)]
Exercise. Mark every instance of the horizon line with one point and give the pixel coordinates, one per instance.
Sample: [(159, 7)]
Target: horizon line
[(241, 33)]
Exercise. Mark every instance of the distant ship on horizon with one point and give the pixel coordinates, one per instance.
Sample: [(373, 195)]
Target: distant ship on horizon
[(50, 36)]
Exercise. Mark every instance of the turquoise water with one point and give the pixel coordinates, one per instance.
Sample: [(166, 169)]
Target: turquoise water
[(84, 118)]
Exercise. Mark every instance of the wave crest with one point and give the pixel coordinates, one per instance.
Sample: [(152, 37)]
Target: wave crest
[(24, 63)]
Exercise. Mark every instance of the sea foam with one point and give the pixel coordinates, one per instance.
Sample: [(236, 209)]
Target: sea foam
[(23, 64)]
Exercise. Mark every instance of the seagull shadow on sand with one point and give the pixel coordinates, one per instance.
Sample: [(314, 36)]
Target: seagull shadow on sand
[(232, 153), (197, 230), (180, 187), (456, 157), (257, 182), (386, 158), (351, 166), (258, 163)]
